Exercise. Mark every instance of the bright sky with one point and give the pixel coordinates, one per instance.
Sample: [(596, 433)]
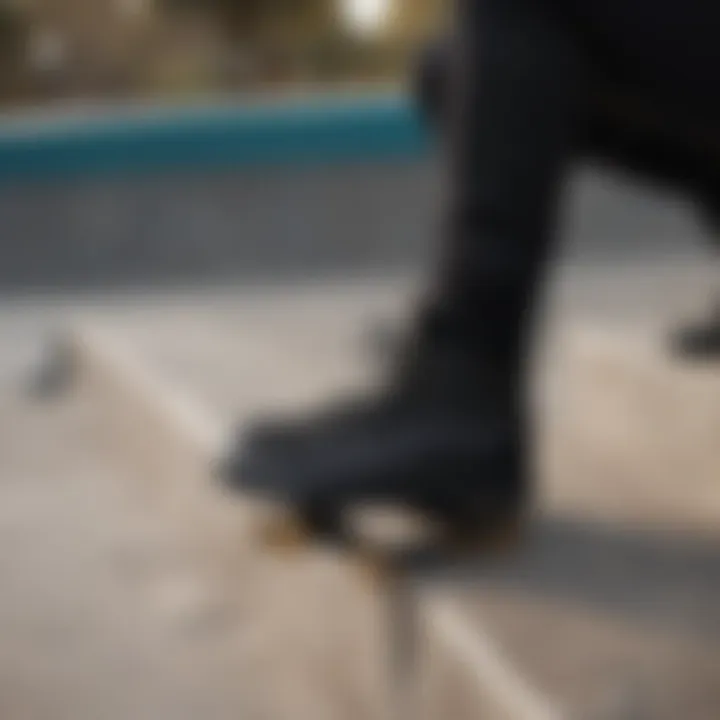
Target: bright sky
[(365, 16)]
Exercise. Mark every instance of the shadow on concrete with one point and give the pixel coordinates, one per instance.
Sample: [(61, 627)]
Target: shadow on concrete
[(663, 580)]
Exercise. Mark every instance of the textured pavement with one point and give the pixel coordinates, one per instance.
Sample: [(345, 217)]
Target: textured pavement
[(613, 604), (101, 616)]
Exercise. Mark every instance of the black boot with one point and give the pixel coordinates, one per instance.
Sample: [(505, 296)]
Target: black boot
[(699, 342), (446, 434), (440, 436)]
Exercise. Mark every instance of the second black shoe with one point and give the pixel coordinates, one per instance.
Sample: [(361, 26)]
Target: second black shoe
[(700, 342)]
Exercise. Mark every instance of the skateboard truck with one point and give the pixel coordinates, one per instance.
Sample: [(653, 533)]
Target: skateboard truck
[(402, 626), (395, 552)]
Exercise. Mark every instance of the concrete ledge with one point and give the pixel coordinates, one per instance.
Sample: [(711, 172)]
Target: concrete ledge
[(171, 441)]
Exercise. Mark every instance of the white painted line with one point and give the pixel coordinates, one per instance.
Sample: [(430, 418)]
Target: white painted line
[(93, 346), (493, 672), (100, 353)]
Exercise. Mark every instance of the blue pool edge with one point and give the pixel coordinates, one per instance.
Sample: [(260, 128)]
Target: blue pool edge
[(239, 135)]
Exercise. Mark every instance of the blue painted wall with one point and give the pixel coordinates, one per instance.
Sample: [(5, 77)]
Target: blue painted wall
[(320, 129), (232, 192)]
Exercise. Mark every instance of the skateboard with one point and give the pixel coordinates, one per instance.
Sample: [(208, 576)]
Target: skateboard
[(384, 540), (396, 551)]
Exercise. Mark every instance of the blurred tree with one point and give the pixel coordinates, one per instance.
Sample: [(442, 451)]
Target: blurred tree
[(250, 20), (13, 43), (414, 20), (274, 37), (125, 47)]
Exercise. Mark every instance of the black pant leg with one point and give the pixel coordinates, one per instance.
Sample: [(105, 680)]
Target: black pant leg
[(517, 79)]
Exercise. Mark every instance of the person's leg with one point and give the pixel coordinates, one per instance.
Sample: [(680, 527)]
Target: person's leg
[(667, 58), (445, 433), (655, 112), (519, 83)]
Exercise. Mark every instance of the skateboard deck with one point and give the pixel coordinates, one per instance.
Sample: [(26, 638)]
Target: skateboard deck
[(384, 541), (397, 551)]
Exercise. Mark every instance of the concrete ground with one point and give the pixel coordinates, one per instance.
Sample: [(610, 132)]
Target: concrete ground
[(100, 613), (614, 604)]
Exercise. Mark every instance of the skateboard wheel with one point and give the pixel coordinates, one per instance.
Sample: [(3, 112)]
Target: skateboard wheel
[(373, 567), (286, 534), (500, 540)]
